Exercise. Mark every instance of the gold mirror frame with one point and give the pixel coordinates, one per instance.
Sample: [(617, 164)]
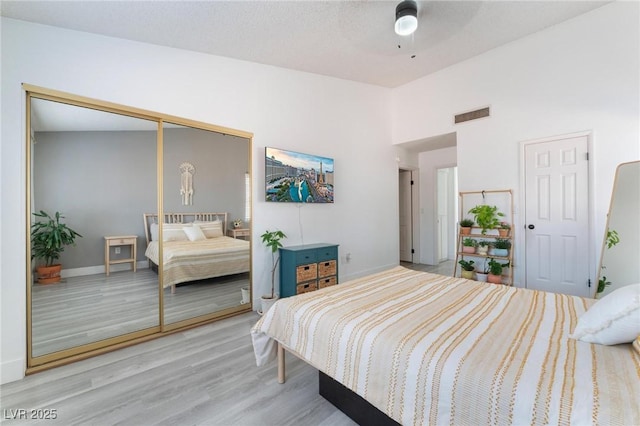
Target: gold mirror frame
[(621, 241), (38, 363)]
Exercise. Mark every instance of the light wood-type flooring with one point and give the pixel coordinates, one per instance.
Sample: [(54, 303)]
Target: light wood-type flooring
[(202, 376)]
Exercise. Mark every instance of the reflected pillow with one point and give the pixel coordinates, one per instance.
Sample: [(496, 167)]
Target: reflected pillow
[(194, 233), (153, 228), (613, 319), (173, 232), (211, 229)]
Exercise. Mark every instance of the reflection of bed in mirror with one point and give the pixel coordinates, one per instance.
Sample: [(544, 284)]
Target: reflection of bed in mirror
[(195, 247)]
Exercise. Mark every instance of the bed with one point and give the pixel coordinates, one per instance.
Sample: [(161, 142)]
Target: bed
[(428, 349), (194, 247)]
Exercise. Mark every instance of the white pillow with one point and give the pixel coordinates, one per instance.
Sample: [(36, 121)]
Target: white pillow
[(211, 229), (613, 319), (173, 232), (154, 231), (194, 233)]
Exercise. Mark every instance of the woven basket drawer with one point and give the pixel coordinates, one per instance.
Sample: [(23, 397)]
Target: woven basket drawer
[(326, 269), (306, 273), (306, 288), (326, 282)]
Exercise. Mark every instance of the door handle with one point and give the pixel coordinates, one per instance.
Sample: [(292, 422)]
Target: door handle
[(531, 226)]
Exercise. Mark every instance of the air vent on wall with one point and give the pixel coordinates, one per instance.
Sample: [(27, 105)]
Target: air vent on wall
[(472, 115)]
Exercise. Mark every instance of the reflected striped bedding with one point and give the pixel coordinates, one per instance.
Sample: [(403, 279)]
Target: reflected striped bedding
[(430, 349), (193, 260)]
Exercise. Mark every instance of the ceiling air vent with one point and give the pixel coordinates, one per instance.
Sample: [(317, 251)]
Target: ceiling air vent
[(472, 115)]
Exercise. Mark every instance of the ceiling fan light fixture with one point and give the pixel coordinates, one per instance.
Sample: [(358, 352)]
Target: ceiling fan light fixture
[(406, 17)]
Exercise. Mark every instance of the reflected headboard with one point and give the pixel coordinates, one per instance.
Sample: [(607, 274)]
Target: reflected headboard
[(150, 218)]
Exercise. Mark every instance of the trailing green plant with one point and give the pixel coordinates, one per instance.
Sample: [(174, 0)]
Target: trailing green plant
[(467, 265), (469, 242), (486, 216), (467, 223), (271, 239), (502, 243), (495, 268), (612, 238), (602, 284), (49, 237)]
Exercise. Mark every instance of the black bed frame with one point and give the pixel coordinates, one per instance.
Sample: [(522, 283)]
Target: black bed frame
[(352, 404)]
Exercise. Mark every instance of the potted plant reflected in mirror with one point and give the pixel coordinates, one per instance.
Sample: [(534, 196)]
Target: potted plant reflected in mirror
[(482, 273), (503, 229), (495, 271), (469, 245), (467, 269), (486, 217), (271, 239), (483, 247), (501, 247), (465, 226), (49, 237)]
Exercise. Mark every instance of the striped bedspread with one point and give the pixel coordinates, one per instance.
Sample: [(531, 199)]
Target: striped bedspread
[(430, 349), (193, 260)]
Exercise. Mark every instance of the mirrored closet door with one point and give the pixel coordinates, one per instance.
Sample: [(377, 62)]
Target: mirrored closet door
[(95, 176), (205, 191)]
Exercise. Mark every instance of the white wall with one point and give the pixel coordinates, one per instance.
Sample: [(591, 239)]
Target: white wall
[(582, 75), (330, 117)]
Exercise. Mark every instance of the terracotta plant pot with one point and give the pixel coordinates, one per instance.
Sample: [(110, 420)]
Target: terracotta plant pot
[(494, 279), (503, 232), (465, 230), (49, 274)]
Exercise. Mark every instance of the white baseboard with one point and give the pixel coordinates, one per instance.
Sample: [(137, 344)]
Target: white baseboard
[(99, 269), (12, 371)]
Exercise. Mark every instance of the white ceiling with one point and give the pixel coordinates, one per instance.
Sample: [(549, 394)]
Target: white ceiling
[(351, 40)]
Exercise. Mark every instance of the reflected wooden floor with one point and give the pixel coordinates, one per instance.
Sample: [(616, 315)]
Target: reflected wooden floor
[(202, 376), (87, 309)]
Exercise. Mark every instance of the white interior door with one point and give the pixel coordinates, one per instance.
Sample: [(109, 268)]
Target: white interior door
[(406, 225), (556, 216)]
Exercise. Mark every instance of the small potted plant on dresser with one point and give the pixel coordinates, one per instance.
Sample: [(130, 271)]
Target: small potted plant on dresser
[(271, 239), (465, 226), (469, 245), (48, 240), (495, 271), (467, 269)]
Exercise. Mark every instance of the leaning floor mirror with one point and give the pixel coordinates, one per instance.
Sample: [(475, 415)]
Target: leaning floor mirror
[(621, 242), (115, 186)]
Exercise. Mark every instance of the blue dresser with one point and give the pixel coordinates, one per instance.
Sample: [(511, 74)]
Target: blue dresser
[(307, 268)]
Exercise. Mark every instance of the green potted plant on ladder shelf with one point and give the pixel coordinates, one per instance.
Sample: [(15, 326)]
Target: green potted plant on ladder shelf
[(271, 239)]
